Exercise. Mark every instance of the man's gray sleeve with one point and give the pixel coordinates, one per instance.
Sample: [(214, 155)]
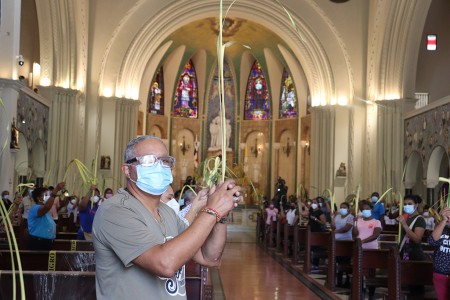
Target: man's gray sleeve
[(126, 233)]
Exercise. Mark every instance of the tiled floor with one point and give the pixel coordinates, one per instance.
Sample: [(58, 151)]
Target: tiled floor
[(248, 272)]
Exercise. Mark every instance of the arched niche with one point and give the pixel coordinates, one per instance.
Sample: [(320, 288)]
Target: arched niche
[(438, 166), (22, 161), (287, 159), (438, 158), (414, 174), (256, 156), (155, 130), (38, 158), (183, 150)]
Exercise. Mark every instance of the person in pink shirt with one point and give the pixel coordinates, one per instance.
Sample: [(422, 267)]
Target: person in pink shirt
[(271, 213), (56, 207), (367, 228)]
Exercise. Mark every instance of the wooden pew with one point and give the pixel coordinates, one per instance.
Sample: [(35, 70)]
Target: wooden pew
[(72, 245), (49, 285), (66, 235), (260, 228), (72, 264), (336, 248), (196, 280), (299, 242), (280, 234), (288, 239), (407, 272), (51, 261), (313, 239), (390, 229), (362, 261), (270, 236)]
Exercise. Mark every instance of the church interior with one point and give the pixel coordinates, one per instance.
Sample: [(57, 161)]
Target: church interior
[(334, 97)]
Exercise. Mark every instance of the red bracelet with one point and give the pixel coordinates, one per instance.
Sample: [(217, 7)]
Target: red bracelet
[(213, 212)]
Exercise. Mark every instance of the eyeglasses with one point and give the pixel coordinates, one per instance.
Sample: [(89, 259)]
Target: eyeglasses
[(150, 160)]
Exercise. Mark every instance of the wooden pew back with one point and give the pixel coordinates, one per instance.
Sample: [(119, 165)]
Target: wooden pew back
[(51, 261), (299, 241), (314, 239), (407, 272), (72, 245), (364, 260), (49, 285), (336, 248)]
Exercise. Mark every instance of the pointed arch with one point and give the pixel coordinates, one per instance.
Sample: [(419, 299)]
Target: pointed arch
[(257, 99), (186, 95), (288, 99), (156, 94)]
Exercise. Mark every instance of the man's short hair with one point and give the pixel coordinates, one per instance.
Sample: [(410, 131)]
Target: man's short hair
[(188, 195), (129, 151)]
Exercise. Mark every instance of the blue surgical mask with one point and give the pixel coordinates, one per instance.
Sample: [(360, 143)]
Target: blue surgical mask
[(343, 211), (374, 199), (366, 213), (154, 180), (5, 197), (426, 214), (409, 208), (181, 202), (314, 206)]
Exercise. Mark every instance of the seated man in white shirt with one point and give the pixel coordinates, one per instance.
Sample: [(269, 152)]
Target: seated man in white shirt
[(190, 211)]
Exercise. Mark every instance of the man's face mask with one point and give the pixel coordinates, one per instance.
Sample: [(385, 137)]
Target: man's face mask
[(154, 175)]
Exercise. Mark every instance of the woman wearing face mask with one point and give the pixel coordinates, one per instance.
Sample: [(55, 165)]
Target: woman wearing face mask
[(316, 223), (108, 193), (342, 224), (413, 229), (367, 228), (41, 227), (429, 220), (440, 239), (86, 209)]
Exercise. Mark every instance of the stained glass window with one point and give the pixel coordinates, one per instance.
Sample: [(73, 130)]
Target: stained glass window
[(186, 101), (257, 102), (288, 101), (156, 94)]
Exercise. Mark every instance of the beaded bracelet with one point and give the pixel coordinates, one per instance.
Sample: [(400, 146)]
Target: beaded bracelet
[(212, 212)]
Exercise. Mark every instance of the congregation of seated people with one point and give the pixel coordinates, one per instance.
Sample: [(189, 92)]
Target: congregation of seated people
[(418, 234)]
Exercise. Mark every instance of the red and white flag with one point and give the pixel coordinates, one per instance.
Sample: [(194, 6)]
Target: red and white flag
[(196, 145)]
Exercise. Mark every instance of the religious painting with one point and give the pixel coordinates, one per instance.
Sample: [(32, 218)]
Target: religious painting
[(186, 101), (105, 162), (156, 94), (288, 101), (257, 101), (214, 132)]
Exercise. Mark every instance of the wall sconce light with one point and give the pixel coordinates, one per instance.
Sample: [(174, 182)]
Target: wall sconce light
[(184, 147), (287, 149), (255, 150), (305, 145)]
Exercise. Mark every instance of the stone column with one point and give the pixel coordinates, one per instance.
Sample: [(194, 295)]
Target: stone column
[(329, 146), (10, 39), (65, 141)]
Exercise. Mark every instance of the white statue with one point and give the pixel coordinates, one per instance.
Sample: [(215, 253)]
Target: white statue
[(215, 129)]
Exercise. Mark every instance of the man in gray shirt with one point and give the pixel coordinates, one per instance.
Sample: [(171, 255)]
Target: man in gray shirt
[(141, 246)]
